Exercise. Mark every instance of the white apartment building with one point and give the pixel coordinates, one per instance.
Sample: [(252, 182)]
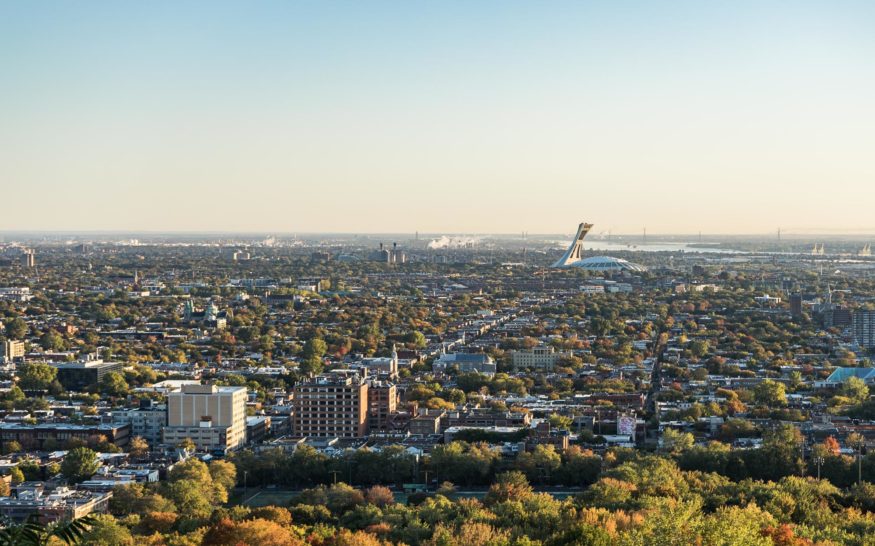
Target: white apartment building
[(213, 417)]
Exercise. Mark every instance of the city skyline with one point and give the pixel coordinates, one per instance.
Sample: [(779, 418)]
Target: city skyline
[(383, 273), (486, 118)]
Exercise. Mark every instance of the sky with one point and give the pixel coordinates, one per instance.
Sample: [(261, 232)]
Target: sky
[(457, 116)]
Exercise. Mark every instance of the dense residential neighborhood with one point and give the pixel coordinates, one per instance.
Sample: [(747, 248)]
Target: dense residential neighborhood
[(170, 393)]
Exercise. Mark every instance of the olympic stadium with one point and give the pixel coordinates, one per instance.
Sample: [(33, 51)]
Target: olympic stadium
[(573, 257)]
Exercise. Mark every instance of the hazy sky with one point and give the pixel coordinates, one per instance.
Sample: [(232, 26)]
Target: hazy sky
[(466, 116)]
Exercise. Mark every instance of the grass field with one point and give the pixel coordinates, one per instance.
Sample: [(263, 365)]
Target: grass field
[(265, 497)]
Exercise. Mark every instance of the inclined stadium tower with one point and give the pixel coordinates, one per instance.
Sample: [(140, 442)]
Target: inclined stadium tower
[(575, 251), (573, 257)]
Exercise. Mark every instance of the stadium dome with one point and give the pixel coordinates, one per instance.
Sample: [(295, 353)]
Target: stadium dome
[(607, 264)]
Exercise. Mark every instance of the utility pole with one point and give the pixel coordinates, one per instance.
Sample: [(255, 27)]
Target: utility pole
[(818, 461), (335, 475), (802, 448)]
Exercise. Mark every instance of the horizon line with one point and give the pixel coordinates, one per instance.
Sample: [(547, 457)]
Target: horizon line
[(601, 235)]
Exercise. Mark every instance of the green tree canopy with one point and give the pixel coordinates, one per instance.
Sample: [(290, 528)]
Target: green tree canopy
[(36, 376), (79, 464)]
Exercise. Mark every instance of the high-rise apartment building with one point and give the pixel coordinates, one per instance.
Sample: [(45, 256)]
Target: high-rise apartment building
[(11, 350), (331, 405), (382, 403), (863, 326), (796, 305), (213, 417)]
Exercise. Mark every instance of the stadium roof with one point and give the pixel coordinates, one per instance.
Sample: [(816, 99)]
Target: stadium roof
[(607, 264)]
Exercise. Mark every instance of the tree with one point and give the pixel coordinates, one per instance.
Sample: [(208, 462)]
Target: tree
[(456, 396), (138, 448), (156, 522), (36, 376), (770, 393), (610, 493), (855, 389), (463, 463), (79, 464), (187, 445), (672, 524), (581, 534), (417, 339), (275, 514), (51, 341), (224, 474), (795, 379), (17, 475), (781, 454), (561, 422), (379, 495), (855, 440), (831, 446), (190, 485), (652, 476), (14, 395), (114, 384), (579, 467), (674, 441), (446, 489), (315, 347), (863, 496), (540, 464), (698, 348), (737, 526), (312, 365), (226, 532), (30, 471), (737, 428), (310, 514), (12, 446), (16, 328), (508, 486), (341, 497), (136, 498), (106, 531), (188, 497)]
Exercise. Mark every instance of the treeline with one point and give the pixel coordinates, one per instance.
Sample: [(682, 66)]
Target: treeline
[(477, 464), (631, 499), (780, 456), (463, 463), (645, 500)]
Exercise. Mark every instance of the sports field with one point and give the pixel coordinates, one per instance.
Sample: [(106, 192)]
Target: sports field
[(265, 497)]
